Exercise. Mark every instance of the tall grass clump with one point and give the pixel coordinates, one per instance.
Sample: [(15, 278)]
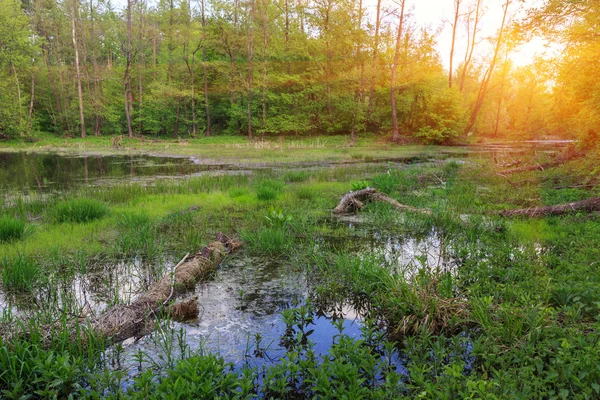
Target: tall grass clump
[(79, 210), (20, 273), (137, 236), (295, 176), (268, 240), (12, 229), (268, 190)]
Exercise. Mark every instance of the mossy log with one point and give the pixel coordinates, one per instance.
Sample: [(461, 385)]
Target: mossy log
[(589, 205), (354, 201)]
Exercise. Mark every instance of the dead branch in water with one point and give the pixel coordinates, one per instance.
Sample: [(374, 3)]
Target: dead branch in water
[(589, 205), (354, 201)]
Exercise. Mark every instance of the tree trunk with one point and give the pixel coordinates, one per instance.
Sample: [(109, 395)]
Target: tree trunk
[(497, 124), (470, 46), (395, 130), (205, 77), (264, 56), (250, 66), (375, 57), (126, 78), (456, 14), (486, 80), (77, 69)]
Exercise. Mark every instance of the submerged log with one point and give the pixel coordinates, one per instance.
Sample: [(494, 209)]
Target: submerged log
[(137, 319), (354, 201), (589, 205), (124, 321)]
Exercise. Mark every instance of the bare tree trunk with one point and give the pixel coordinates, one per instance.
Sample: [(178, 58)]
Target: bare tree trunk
[(77, 69), (250, 66), (456, 15), (395, 130), (484, 84), (471, 45), (375, 57), (205, 77)]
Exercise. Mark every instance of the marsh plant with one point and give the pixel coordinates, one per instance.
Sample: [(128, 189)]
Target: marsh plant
[(20, 273), (267, 190), (79, 210), (12, 229)]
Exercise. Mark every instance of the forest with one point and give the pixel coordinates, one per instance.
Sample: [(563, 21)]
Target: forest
[(183, 68)]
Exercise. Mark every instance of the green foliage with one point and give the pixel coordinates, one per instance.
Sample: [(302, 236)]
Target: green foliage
[(78, 210), (12, 229), (359, 185), (277, 219)]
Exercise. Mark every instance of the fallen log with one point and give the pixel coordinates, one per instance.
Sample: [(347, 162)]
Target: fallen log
[(354, 201), (122, 321), (565, 157), (589, 205)]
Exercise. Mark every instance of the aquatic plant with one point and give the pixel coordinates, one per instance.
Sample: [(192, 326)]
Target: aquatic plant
[(276, 218), (79, 210), (12, 229)]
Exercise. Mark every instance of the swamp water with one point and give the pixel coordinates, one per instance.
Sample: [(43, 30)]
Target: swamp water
[(240, 308)]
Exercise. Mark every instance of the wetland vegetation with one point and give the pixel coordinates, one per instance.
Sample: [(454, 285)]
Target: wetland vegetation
[(456, 303)]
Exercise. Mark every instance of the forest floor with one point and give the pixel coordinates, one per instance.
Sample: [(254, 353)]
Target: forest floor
[(456, 303)]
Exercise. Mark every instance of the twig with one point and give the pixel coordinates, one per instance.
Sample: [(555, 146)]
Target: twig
[(173, 278)]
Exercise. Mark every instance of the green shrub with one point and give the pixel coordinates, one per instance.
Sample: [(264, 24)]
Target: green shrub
[(79, 210), (20, 273), (12, 229)]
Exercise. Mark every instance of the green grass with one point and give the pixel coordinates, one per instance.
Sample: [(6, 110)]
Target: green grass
[(79, 210), (268, 240), (20, 274), (268, 190), (12, 229)]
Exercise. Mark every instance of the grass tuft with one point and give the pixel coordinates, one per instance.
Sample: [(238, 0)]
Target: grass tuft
[(12, 229), (79, 210), (20, 273), (268, 190)]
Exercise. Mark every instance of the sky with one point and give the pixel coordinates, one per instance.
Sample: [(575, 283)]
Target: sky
[(438, 14)]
